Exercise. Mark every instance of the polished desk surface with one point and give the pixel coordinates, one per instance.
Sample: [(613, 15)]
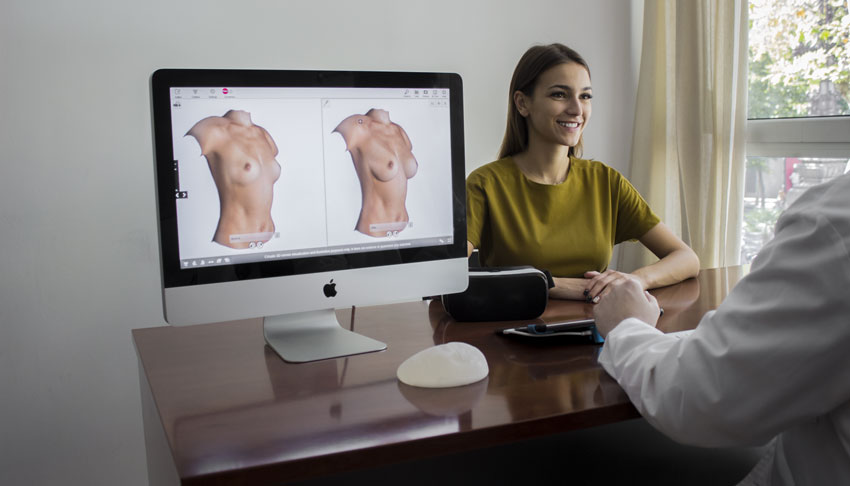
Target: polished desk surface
[(232, 411)]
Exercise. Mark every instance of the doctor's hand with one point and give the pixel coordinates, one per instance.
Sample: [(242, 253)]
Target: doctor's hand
[(625, 298)]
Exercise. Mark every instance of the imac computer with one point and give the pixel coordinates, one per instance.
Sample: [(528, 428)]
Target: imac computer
[(288, 194)]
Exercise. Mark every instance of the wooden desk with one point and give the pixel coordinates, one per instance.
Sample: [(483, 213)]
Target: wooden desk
[(221, 408)]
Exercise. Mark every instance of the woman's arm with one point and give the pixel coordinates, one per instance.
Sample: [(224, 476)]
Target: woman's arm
[(677, 262), (569, 288)]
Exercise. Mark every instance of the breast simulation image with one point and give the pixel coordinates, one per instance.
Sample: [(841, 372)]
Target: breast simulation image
[(241, 158), (383, 160)]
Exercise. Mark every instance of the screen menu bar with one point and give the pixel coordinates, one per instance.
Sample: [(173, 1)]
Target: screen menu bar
[(188, 93)]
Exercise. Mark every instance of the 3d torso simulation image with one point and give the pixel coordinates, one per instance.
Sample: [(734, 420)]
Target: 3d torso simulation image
[(241, 157), (384, 161)]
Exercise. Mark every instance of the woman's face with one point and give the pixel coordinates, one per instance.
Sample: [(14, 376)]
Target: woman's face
[(559, 107)]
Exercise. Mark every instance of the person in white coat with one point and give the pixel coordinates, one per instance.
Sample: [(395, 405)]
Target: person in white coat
[(770, 365)]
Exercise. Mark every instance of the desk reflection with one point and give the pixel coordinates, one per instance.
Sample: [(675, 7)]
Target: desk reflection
[(312, 412), (446, 402)]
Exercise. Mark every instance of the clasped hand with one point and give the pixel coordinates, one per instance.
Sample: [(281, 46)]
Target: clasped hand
[(617, 296), (600, 283)]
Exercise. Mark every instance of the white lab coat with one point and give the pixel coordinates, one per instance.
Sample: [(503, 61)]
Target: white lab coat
[(773, 361)]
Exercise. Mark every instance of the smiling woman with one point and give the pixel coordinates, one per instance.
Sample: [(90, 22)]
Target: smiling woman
[(556, 113), (542, 205)]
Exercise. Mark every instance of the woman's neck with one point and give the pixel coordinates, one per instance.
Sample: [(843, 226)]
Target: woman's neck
[(544, 165)]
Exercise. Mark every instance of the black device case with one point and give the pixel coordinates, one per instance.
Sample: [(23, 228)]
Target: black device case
[(500, 294)]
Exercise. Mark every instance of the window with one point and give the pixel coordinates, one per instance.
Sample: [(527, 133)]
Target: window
[(798, 133), (799, 58)]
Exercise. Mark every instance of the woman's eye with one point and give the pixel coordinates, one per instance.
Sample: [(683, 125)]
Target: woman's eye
[(559, 94), (587, 96)]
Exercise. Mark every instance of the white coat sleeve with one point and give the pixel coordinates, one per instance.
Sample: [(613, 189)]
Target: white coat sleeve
[(774, 354)]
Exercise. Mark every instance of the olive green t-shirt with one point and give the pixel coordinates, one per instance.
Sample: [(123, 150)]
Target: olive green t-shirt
[(568, 228)]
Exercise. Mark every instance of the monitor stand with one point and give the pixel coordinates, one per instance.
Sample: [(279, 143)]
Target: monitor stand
[(311, 336)]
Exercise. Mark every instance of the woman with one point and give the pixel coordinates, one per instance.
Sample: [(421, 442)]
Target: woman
[(541, 205)]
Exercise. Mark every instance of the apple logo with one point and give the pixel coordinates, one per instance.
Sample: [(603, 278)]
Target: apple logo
[(329, 289)]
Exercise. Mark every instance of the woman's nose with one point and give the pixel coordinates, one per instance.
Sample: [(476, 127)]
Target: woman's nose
[(574, 107)]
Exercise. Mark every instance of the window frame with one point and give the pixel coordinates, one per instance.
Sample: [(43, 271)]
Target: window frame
[(815, 137)]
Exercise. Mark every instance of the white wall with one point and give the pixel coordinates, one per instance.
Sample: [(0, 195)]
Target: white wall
[(78, 267)]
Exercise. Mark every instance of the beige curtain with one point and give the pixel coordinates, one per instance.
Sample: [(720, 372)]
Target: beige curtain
[(690, 126)]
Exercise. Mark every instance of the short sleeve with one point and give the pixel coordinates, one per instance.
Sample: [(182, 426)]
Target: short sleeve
[(476, 208), (634, 216)]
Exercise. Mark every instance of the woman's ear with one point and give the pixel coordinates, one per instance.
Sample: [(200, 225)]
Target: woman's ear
[(521, 103)]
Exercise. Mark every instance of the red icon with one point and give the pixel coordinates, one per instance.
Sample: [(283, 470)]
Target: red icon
[(225, 91)]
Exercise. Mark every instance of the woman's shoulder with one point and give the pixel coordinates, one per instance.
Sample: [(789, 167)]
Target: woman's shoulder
[(591, 165), (595, 169), (495, 170)]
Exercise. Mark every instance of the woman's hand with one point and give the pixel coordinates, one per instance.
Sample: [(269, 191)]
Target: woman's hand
[(592, 286), (600, 283)]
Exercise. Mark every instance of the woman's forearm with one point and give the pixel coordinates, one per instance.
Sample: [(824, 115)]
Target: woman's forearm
[(568, 288), (678, 265)]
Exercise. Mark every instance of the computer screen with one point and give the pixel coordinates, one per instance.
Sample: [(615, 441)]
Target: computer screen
[(287, 194)]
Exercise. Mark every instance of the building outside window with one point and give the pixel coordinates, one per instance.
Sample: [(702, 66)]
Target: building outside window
[(798, 133)]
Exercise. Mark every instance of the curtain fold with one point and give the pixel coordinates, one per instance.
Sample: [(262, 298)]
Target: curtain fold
[(688, 146)]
